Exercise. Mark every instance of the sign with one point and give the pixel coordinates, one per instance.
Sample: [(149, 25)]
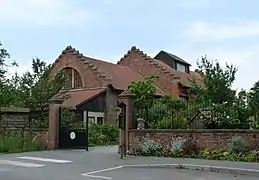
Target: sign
[(72, 135)]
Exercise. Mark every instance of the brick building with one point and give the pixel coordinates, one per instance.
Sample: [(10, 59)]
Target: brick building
[(95, 84)]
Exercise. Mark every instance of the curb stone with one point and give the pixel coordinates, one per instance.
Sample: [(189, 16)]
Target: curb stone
[(221, 169)]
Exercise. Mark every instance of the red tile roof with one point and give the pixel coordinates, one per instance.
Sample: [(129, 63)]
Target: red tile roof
[(182, 77), (75, 97), (121, 76)]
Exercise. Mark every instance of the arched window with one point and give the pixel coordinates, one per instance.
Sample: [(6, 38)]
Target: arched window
[(74, 78)]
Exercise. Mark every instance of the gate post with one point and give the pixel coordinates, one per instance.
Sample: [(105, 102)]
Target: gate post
[(128, 99), (54, 117)]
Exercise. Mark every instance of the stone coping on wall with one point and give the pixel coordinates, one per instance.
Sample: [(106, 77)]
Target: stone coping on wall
[(14, 110), (195, 130), (28, 129)]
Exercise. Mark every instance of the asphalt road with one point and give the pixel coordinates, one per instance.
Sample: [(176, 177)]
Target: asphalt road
[(70, 164), (167, 174)]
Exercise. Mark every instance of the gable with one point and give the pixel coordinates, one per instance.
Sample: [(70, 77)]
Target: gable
[(147, 66), (69, 59)]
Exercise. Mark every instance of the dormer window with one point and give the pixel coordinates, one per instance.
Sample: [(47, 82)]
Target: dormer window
[(180, 67), (173, 61)]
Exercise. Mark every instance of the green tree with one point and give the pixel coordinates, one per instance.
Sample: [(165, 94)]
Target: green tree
[(36, 88), (4, 55), (217, 82), (6, 93), (144, 91), (253, 100)]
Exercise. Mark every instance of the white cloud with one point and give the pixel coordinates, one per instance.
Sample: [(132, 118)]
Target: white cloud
[(42, 12), (216, 31)]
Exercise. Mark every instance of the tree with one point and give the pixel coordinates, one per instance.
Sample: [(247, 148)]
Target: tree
[(228, 109), (6, 94), (36, 88), (144, 91), (217, 82), (241, 106), (3, 56), (253, 100)]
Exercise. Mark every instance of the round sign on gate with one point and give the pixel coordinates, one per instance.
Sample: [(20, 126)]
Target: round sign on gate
[(72, 135)]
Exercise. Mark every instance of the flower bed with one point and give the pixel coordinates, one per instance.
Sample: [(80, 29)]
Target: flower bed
[(237, 149)]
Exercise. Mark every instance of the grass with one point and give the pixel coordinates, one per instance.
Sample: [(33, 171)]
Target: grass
[(18, 141)]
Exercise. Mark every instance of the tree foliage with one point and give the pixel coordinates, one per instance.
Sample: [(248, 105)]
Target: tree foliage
[(33, 89), (229, 110), (158, 112), (37, 87), (4, 55), (217, 81), (253, 99), (144, 91), (6, 87)]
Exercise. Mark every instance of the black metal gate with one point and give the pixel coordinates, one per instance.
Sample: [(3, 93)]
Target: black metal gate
[(73, 133)]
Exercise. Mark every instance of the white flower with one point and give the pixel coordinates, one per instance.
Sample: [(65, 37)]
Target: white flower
[(225, 153), (227, 117)]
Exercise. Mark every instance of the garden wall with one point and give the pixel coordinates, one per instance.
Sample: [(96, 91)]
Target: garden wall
[(204, 138), (40, 136)]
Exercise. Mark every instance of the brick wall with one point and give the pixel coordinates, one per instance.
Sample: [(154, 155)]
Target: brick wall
[(40, 136), (205, 138)]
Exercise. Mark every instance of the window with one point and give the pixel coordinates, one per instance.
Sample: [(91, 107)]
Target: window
[(180, 67), (74, 78), (99, 120), (91, 120)]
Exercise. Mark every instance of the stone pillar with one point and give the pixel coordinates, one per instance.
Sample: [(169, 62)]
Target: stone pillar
[(128, 99), (111, 104), (53, 131)]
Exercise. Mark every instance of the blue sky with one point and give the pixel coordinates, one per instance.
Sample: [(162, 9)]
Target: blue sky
[(227, 30)]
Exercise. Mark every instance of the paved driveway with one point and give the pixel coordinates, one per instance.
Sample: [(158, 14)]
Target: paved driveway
[(99, 162)]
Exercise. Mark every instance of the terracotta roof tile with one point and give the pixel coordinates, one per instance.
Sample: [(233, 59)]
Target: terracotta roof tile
[(75, 97), (121, 76), (183, 78)]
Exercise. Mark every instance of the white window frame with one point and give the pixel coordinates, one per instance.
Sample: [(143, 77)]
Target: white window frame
[(93, 114)]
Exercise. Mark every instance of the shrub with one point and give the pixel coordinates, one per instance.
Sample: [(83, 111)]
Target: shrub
[(165, 123), (150, 147), (178, 122), (177, 147), (102, 135), (226, 116), (254, 124), (237, 145)]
